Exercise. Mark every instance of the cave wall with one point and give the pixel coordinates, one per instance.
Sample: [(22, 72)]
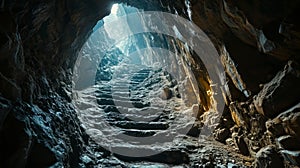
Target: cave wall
[(39, 42), (38, 46)]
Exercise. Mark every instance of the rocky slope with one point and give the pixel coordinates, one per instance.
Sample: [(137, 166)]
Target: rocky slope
[(258, 42)]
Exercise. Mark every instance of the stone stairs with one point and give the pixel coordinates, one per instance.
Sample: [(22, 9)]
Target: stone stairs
[(125, 101)]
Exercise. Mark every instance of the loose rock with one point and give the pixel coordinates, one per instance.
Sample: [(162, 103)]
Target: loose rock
[(268, 157), (280, 93)]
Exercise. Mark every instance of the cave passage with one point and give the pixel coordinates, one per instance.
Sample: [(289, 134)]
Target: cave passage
[(141, 85), (139, 98)]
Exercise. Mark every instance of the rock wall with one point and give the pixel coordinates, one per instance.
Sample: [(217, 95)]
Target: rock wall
[(38, 46), (258, 42)]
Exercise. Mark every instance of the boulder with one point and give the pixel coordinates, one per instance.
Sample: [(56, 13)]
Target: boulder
[(268, 157), (166, 93), (221, 134), (280, 93), (287, 123), (241, 144), (286, 129)]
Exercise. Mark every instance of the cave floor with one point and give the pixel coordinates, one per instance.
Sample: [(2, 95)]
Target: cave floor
[(189, 152), (140, 118)]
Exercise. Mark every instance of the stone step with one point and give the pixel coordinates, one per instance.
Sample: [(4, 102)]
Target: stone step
[(139, 133), (113, 117), (140, 125), (141, 75), (103, 94), (136, 111), (103, 88), (143, 71), (122, 97), (124, 92), (142, 114), (125, 103), (124, 84), (161, 155), (131, 76)]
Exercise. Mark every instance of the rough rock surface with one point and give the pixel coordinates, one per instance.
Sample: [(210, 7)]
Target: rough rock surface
[(285, 129), (39, 42), (268, 157), (269, 101)]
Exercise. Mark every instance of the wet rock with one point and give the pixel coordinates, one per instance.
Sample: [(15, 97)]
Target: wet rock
[(277, 95), (268, 157)]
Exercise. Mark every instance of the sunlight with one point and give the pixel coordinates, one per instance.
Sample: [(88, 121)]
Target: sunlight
[(114, 9)]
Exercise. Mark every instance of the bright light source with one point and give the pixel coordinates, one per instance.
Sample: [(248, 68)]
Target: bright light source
[(114, 9)]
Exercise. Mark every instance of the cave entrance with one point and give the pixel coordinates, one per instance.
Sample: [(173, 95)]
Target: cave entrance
[(134, 85)]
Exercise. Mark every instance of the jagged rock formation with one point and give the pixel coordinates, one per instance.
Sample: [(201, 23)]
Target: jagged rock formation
[(258, 42)]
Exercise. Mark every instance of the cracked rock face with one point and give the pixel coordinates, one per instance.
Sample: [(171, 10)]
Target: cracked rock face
[(269, 101), (258, 43)]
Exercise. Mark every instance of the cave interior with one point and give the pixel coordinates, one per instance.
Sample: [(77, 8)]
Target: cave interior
[(149, 83)]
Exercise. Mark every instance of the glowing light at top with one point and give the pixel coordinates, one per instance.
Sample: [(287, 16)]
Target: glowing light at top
[(114, 9)]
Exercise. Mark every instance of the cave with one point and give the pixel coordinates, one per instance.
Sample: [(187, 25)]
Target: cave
[(156, 83)]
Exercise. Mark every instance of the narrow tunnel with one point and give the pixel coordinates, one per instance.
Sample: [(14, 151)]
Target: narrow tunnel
[(157, 83), (140, 92)]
